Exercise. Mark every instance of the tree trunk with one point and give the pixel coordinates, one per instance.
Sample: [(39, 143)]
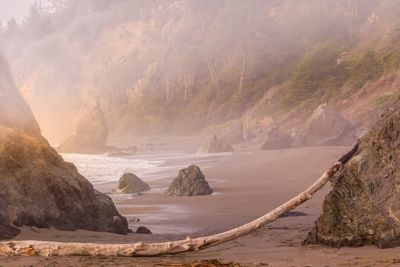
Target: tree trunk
[(167, 89), (242, 74), (211, 69), (185, 87)]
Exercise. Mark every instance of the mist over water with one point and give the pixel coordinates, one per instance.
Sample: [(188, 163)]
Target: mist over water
[(272, 91), (175, 66), (103, 169)]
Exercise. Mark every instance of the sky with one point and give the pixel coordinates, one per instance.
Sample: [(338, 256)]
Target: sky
[(15, 8)]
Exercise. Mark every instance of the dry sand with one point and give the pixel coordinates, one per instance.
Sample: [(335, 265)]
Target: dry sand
[(247, 185)]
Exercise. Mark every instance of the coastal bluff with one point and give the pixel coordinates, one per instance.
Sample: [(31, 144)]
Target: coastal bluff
[(363, 208), (37, 187)]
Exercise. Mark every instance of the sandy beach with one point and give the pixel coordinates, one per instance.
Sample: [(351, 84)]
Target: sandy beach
[(196, 128), (247, 184)]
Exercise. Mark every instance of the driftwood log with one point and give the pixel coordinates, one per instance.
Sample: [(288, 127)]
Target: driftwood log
[(43, 248)]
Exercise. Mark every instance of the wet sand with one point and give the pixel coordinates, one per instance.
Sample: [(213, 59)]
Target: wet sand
[(247, 185)]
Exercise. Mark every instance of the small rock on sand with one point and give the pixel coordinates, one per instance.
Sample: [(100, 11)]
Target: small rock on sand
[(129, 183), (143, 230)]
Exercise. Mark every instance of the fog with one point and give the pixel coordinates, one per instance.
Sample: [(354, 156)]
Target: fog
[(17, 9), (171, 67), (14, 112)]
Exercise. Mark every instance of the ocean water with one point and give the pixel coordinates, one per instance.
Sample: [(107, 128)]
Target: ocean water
[(104, 172), (101, 169)]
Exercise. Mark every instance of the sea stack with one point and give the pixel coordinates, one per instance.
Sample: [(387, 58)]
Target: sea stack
[(363, 207), (90, 135), (216, 145), (190, 182), (37, 187)]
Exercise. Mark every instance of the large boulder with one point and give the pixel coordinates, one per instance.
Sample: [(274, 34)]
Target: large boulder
[(37, 187), (190, 182), (90, 136), (363, 207), (216, 145), (277, 139), (326, 126), (129, 183)]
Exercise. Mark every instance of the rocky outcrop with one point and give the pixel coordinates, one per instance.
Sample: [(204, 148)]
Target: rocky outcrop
[(231, 132), (277, 139), (216, 145), (37, 187), (255, 128), (90, 136), (14, 111), (129, 183), (327, 126), (363, 207), (190, 182), (143, 230)]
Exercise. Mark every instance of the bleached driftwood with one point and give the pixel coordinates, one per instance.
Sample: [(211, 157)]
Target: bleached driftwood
[(43, 248)]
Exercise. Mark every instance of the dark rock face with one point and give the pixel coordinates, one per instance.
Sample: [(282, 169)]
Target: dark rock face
[(130, 184), (327, 126), (215, 146), (143, 230), (37, 187), (190, 182), (363, 207), (91, 135), (277, 139)]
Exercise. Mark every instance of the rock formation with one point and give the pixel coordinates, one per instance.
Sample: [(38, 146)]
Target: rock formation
[(363, 207), (37, 187), (90, 136), (231, 131), (277, 139), (216, 145), (129, 183), (143, 230), (326, 126), (190, 182), (14, 111)]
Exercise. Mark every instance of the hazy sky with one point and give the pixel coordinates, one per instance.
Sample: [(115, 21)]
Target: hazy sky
[(15, 8)]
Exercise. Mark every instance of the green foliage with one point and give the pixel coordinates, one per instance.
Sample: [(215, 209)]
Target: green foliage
[(385, 100), (367, 68), (391, 59), (318, 73), (322, 72)]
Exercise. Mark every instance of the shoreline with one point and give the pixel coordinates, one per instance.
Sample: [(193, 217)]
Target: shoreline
[(250, 184)]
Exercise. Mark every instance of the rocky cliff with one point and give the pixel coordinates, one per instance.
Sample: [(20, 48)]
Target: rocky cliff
[(37, 187), (363, 207)]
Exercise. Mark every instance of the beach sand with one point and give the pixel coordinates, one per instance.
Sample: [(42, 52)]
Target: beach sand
[(247, 184)]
